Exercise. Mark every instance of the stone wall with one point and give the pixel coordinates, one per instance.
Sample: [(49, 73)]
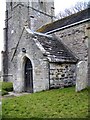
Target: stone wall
[(17, 16), (76, 39), (62, 75), (39, 63), (41, 18), (38, 13), (88, 32)]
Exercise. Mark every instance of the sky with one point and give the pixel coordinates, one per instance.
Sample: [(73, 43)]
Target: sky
[(60, 5)]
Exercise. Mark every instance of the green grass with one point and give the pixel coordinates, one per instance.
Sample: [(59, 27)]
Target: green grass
[(57, 103), (4, 92), (6, 87)]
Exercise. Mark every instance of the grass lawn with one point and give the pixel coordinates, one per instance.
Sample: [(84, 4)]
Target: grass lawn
[(57, 103), (6, 87)]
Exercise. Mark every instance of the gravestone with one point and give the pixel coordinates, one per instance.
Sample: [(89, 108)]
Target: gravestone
[(81, 78)]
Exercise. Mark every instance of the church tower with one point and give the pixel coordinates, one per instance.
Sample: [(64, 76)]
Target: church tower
[(41, 12), (34, 12)]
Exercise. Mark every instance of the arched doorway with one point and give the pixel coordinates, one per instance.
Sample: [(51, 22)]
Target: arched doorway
[(28, 76)]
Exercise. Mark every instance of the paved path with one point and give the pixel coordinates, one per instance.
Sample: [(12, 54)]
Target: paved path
[(13, 94)]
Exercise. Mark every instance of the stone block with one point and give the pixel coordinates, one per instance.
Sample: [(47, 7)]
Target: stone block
[(81, 79)]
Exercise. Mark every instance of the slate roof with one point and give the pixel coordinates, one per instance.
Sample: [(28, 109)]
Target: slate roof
[(82, 15), (56, 50)]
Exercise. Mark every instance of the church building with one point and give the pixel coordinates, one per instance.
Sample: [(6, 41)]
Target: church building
[(41, 53)]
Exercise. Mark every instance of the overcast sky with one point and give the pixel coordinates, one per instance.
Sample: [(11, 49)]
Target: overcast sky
[(60, 5)]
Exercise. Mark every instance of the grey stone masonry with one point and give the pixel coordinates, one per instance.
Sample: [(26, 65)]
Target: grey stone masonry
[(18, 14), (88, 32), (41, 14), (36, 61), (39, 63), (76, 39), (81, 78), (37, 13), (62, 75)]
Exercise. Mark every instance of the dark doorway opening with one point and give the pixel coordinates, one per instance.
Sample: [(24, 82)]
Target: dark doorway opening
[(28, 71)]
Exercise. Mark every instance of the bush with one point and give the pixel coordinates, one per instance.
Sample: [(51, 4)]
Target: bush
[(4, 92), (7, 86)]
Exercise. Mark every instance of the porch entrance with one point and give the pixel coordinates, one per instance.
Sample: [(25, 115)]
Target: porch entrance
[(28, 73)]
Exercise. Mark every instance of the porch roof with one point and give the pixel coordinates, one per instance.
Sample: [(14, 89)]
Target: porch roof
[(56, 51)]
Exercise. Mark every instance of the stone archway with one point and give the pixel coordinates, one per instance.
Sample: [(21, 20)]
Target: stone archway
[(19, 79), (28, 75)]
